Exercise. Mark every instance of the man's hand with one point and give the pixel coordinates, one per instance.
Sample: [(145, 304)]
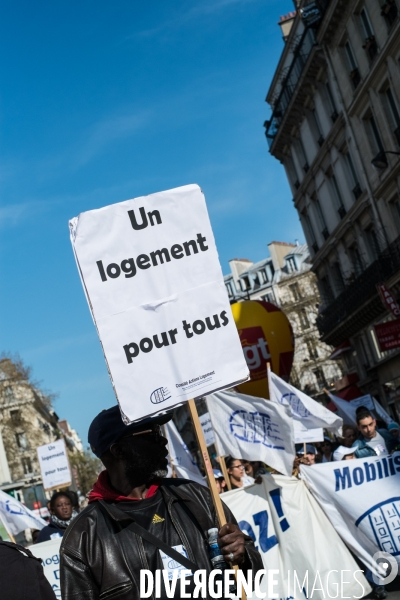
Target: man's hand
[(231, 542)]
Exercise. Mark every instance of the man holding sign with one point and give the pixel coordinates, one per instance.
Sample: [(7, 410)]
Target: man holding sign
[(138, 520)]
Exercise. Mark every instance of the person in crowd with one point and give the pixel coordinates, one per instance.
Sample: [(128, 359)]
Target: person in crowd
[(310, 455), (326, 450), (219, 480), (394, 430), (343, 453), (371, 441), (134, 510), (349, 435), (62, 514), (237, 474), (21, 574), (258, 468)]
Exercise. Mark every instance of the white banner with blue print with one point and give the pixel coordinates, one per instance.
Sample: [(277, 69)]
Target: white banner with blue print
[(252, 428), (312, 414), (294, 537), (361, 498)]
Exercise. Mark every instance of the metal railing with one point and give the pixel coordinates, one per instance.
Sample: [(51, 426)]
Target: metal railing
[(301, 52), (361, 289)]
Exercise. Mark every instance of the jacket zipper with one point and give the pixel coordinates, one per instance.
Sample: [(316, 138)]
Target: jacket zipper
[(180, 531)]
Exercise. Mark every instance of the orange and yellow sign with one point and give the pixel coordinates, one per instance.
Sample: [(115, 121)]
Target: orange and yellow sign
[(267, 337)]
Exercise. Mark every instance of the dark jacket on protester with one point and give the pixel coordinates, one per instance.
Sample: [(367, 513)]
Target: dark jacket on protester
[(99, 559), (21, 575), (50, 529)]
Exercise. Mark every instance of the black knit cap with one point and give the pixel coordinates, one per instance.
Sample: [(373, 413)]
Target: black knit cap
[(108, 427)]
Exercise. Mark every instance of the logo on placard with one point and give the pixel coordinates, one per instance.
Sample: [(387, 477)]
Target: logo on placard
[(382, 521), (296, 405), (160, 395), (256, 428)]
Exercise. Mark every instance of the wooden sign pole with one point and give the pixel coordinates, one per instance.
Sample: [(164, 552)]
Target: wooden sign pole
[(209, 471)]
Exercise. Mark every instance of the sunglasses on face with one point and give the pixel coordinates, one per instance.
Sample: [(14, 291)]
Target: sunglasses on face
[(155, 431)]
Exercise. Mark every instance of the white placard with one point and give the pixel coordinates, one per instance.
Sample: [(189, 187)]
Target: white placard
[(54, 465), (303, 435), (206, 425), (155, 288), (49, 552)]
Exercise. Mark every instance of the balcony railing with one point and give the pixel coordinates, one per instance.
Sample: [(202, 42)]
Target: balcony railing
[(361, 289), (301, 53)]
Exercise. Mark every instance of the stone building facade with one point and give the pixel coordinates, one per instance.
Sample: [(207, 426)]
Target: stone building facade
[(286, 280), (335, 127)]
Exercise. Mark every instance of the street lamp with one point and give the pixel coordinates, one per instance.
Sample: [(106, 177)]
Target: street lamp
[(380, 161)]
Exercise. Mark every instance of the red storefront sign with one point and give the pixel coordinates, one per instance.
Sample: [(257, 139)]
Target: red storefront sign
[(388, 300), (388, 335)]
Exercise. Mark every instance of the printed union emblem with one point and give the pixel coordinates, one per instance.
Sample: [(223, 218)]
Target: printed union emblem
[(160, 395), (383, 521), (296, 404), (256, 428)]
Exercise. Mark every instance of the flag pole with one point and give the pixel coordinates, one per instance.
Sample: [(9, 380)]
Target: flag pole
[(209, 472), (10, 535)]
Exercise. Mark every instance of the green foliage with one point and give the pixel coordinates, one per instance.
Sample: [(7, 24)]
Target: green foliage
[(87, 467)]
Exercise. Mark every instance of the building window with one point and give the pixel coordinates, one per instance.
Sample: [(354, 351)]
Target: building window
[(304, 321), (389, 11), (312, 349), (8, 394), (245, 283), (326, 290), (392, 113), (394, 205), (15, 415), (320, 377), (356, 261), (308, 228), (352, 174), (291, 264), (269, 297), (264, 276), (354, 72), (337, 196), (292, 172), (303, 156), (229, 290), (373, 243), (26, 465), (316, 125), (337, 277), (295, 289), (370, 44), (373, 134), (22, 441), (331, 102), (321, 218)]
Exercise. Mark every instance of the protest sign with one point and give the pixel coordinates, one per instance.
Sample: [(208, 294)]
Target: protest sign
[(206, 425), (181, 460), (16, 517), (279, 515), (152, 278), (312, 414), (54, 465), (252, 428), (49, 552), (361, 499), (302, 435)]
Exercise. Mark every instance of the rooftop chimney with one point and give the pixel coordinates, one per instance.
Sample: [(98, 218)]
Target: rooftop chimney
[(285, 23)]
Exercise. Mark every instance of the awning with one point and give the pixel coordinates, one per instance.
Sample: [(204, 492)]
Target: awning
[(344, 347)]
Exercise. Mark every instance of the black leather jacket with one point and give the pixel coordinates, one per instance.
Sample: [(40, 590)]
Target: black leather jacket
[(96, 566)]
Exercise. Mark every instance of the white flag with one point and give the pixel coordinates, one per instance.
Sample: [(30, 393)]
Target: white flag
[(181, 458), (303, 408), (16, 517), (253, 428), (347, 409)]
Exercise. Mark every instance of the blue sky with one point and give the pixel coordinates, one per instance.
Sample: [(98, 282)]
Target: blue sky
[(102, 102)]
